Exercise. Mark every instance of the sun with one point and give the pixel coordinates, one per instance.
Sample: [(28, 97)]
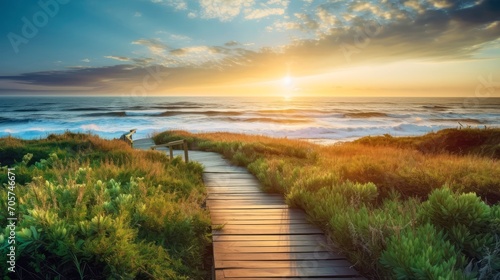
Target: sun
[(287, 81)]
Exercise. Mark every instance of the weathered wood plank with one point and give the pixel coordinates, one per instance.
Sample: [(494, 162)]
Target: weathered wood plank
[(267, 231), (245, 200), (290, 278), (264, 211), (224, 238), (282, 264), (246, 206), (243, 221), (266, 243), (250, 216), (278, 256), (243, 197), (282, 249), (274, 227), (233, 190), (280, 272)]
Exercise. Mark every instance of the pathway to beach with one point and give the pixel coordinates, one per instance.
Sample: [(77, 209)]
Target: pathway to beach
[(260, 237)]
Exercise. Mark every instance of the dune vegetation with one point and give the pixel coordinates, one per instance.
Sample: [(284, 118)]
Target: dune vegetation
[(90, 208), (400, 208)]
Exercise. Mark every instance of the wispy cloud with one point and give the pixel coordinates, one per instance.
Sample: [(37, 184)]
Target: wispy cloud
[(154, 45), (119, 58), (176, 4), (222, 9), (262, 13), (86, 60)]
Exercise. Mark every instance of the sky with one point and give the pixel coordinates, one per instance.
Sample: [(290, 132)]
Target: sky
[(251, 47)]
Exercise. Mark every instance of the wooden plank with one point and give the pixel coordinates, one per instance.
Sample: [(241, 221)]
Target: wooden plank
[(275, 227), (225, 171), (256, 216), (239, 196), (242, 199), (234, 190), (263, 211), (232, 184), (243, 221), (255, 219), (230, 187), (287, 272), (275, 249), (267, 231), (239, 176), (232, 180), (246, 206), (278, 256), (267, 243), (290, 278), (229, 184), (235, 180), (247, 200), (280, 264), (253, 202), (224, 238)]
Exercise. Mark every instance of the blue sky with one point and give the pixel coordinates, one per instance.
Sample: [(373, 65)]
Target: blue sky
[(336, 47)]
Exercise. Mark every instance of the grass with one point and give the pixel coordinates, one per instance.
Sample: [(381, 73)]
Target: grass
[(90, 208), (406, 208)]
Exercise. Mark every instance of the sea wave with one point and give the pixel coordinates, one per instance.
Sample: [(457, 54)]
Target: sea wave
[(267, 120), (205, 113), (292, 111), (161, 114), (435, 107), (468, 121), (83, 109), (27, 110), (362, 115), (106, 114), (4, 120)]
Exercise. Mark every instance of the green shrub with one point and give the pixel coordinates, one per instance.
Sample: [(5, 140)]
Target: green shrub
[(93, 212), (470, 224), (423, 253)]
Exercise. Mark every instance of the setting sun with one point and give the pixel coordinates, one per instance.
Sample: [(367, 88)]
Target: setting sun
[(287, 81)]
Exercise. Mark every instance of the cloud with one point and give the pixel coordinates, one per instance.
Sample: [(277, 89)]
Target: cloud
[(137, 61), (178, 37), (137, 14), (86, 60), (176, 4), (306, 21), (262, 13), (119, 58), (231, 44), (223, 10), (154, 45)]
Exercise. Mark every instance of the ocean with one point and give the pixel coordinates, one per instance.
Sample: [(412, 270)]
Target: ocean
[(323, 120)]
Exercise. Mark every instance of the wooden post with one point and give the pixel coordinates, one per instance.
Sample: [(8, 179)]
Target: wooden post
[(186, 158), (171, 145)]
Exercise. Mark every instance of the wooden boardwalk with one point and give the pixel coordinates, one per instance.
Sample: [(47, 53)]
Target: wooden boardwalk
[(260, 237)]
